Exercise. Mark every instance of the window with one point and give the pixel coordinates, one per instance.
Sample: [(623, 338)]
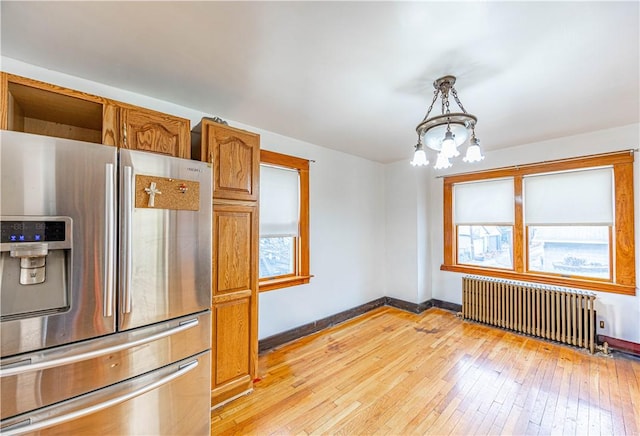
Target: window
[(284, 221), (568, 223), (568, 218), (484, 221)]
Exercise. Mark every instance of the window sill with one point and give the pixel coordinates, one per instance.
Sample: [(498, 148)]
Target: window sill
[(282, 282), (570, 282)]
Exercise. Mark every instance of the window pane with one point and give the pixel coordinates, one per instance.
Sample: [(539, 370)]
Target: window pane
[(276, 256), (570, 250), (489, 246)]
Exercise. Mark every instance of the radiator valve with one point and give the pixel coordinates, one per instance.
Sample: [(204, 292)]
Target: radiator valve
[(604, 348)]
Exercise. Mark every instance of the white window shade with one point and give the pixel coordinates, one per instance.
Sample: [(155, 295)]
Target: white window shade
[(486, 202), (574, 197), (279, 201)]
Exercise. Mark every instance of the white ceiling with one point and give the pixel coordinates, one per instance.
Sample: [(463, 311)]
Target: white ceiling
[(352, 76)]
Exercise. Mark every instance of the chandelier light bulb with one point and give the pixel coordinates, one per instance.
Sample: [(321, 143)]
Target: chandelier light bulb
[(473, 151), (419, 157), (449, 147), (442, 162)]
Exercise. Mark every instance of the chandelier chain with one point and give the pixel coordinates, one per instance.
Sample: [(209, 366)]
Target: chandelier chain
[(445, 103), (435, 97), (455, 96)]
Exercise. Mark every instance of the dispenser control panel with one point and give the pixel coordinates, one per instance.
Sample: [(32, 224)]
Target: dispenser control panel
[(54, 230), (32, 231)]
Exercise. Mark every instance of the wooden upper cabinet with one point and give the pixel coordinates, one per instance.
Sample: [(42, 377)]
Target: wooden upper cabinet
[(235, 155), (147, 130), (30, 106)]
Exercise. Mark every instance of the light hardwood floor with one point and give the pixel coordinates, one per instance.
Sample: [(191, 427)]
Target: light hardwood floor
[(393, 372)]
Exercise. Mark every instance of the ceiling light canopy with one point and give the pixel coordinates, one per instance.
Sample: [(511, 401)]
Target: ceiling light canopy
[(446, 132)]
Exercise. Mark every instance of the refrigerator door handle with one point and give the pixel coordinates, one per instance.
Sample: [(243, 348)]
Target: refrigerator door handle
[(182, 370), (109, 273), (127, 217), (44, 364)]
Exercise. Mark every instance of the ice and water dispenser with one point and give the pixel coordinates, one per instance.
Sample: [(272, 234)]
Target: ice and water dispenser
[(35, 265)]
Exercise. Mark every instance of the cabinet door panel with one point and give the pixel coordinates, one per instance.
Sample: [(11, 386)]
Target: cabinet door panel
[(234, 167), (236, 161), (155, 132), (234, 258), (231, 335)]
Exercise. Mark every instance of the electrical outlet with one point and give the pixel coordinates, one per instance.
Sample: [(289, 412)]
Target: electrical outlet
[(601, 324)]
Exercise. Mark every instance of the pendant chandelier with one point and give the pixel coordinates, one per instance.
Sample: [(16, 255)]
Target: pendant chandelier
[(446, 132)]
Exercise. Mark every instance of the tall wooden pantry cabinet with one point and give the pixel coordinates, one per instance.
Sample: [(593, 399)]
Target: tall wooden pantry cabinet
[(235, 157)]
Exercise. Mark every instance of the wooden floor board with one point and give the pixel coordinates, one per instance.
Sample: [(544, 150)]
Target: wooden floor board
[(391, 372)]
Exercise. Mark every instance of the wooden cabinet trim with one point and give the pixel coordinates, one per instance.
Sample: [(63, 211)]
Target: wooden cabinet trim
[(223, 298), (4, 103), (221, 395), (110, 124)]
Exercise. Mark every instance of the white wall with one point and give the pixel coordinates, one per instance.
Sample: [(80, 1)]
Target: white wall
[(407, 235), (621, 313), (346, 215)]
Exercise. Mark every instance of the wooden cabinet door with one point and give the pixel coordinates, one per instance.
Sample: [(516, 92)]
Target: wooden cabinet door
[(235, 233), (147, 130), (234, 298), (231, 372), (235, 155)]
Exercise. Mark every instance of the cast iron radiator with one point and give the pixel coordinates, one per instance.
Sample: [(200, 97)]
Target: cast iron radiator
[(549, 312)]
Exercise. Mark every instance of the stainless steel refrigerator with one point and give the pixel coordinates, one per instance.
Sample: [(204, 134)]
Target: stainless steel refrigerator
[(105, 278)]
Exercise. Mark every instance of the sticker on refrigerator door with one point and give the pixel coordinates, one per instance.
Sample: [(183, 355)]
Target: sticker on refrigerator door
[(166, 193)]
